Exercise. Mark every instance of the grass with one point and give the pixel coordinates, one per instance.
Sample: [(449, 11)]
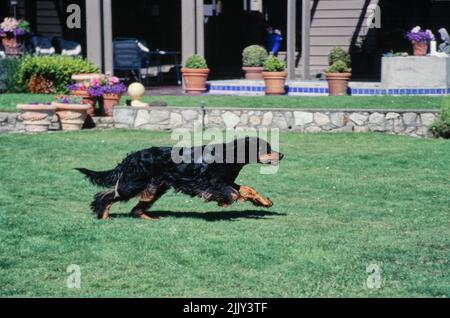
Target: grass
[(342, 202), (8, 102)]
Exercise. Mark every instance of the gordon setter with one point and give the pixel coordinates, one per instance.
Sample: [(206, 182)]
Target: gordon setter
[(208, 172)]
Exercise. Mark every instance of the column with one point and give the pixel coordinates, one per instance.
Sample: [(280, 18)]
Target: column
[(107, 36), (94, 32), (192, 24), (306, 32), (291, 38)]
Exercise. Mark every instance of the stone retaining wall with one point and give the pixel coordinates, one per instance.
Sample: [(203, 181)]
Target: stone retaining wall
[(402, 122)]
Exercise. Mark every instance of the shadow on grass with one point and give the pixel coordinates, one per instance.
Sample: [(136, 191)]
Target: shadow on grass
[(210, 216)]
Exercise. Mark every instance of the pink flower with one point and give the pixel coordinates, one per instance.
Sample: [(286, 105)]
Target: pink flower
[(95, 82), (113, 80), (9, 25)]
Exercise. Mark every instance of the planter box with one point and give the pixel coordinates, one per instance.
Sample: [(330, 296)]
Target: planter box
[(416, 72)]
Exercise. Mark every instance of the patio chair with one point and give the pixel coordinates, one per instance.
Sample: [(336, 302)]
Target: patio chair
[(41, 45), (127, 56), (68, 48)]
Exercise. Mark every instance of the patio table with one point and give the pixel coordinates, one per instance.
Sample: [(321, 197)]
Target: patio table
[(158, 54)]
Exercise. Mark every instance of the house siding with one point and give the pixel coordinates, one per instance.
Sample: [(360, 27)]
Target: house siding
[(335, 23)]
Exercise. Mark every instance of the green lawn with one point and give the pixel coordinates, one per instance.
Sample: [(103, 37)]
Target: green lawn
[(8, 102), (342, 202)]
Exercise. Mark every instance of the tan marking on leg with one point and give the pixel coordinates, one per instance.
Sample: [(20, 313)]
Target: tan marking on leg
[(105, 216), (250, 194)]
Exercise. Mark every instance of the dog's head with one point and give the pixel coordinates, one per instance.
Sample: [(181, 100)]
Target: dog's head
[(256, 150)]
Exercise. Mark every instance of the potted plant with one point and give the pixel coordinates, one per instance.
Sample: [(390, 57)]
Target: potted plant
[(12, 32), (71, 112), (82, 91), (339, 73), (195, 74), (420, 40), (110, 89), (274, 76), (253, 58), (36, 116)]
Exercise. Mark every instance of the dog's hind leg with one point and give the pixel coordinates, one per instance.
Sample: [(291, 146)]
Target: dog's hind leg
[(146, 201), (102, 203)]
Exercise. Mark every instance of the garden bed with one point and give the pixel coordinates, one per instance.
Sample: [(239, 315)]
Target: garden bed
[(342, 203)]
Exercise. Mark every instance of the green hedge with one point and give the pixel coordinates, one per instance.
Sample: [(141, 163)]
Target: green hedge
[(9, 81), (58, 69)]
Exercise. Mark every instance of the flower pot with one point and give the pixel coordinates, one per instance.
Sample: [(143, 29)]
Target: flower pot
[(420, 48), (109, 102), (71, 116), (195, 80), (36, 118), (275, 82), (13, 45), (253, 73), (338, 83), (87, 99)]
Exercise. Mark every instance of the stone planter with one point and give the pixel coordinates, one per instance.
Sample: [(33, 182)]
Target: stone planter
[(275, 82), (87, 99), (253, 73), (109, 102), (36, 118), (195, 80), (85, 78), (338, 83), (420, 48), (13, 45), (71, 116)]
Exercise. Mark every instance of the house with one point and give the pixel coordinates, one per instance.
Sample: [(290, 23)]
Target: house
[(220, 29)]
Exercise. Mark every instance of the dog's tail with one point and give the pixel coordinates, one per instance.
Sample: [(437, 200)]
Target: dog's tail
[(104, 179)]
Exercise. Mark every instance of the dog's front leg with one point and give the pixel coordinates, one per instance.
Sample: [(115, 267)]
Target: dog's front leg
[(250, 194)]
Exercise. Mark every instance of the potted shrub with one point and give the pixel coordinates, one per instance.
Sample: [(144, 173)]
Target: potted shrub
[(275, 76), (12, 32), (71, 112), (110, 89), (339, 73), (253, 58), (195, 74), (441, 127), (420, 40), (36, 116)]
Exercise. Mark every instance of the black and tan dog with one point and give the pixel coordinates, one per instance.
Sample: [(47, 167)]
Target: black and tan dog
[(208, 172)]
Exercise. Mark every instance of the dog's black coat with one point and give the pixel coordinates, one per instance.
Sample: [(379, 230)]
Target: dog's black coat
[(153, 171)]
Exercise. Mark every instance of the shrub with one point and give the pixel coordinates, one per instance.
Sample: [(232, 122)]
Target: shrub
[(254, 56), (9, 81), (273, 64), (55, 69), (197, 62), (339, 67), (441, 127), (339, 54)]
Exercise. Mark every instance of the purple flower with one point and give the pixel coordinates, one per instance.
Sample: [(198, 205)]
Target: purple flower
[(95, 91), (118, 89), (417, 35)]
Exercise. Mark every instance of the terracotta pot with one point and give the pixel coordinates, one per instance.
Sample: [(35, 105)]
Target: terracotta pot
[(12, 45), (338, 83), (109, 102), (420, 48), (275, 82), (195, 80), (71, 116), (253, 73), (88, 100), (36, 118)]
